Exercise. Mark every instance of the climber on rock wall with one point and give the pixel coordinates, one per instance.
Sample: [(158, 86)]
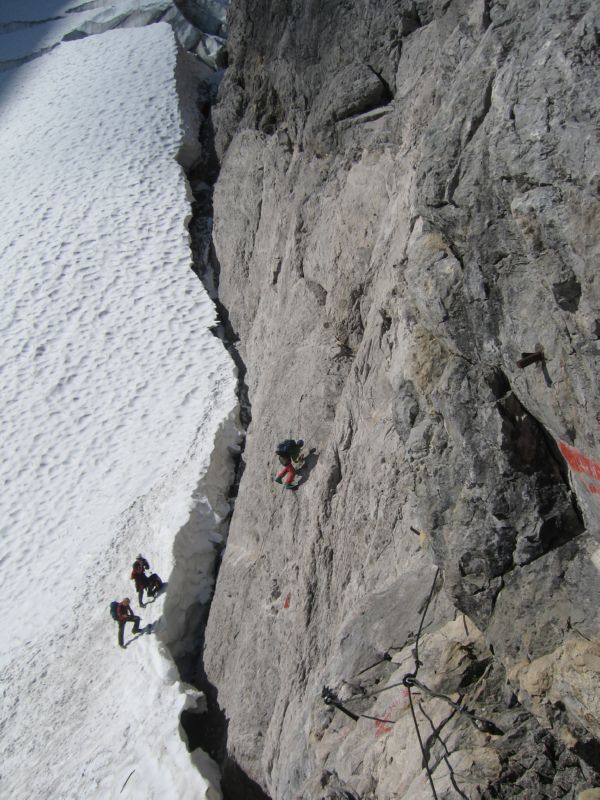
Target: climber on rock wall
[(288, 451)]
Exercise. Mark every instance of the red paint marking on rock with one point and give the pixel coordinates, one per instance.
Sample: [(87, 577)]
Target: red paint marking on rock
[(286, 602), (579, 462), (381, 728), (381, 725)]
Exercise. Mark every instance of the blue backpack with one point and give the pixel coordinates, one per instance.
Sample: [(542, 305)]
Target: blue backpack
[(283, 447), (113, 610)]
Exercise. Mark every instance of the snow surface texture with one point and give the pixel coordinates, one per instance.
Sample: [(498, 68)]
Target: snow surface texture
[(114, 392)]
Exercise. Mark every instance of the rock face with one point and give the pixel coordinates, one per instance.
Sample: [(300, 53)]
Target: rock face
[(408, 204)]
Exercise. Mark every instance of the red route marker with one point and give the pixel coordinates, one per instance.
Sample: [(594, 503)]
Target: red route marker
[(579, 462), (582, 465), (381, 726)]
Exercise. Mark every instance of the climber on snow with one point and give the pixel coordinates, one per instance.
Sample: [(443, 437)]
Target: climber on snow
[(124, 614), (288, 451), (151, 583)]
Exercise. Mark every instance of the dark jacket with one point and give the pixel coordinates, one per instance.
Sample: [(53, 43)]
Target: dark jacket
[(294, 451), (138, 573)]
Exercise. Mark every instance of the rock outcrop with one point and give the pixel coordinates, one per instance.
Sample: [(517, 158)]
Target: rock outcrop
[(406, 236)]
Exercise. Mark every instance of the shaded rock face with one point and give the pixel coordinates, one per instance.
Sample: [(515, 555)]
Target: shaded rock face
[(409, 202)]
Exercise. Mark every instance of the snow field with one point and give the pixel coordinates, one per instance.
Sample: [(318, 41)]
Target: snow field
[(114, 392), (107, 360), (79, 713)]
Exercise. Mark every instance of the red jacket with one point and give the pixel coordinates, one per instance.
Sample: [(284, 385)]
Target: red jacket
[(124, 612), (137, 575)]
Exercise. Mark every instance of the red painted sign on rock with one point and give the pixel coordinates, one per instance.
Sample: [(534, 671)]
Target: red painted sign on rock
[(583, 465)]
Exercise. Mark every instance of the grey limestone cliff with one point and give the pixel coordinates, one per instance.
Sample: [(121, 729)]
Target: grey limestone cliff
[(408, 205)]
